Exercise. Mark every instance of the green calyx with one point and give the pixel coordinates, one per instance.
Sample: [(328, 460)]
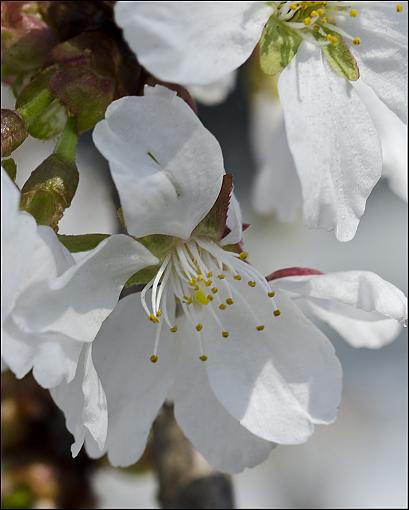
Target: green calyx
[(278, 45)]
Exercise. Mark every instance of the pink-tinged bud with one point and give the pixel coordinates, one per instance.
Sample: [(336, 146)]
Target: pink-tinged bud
[(13, 131), (25, 36), (292, 271)]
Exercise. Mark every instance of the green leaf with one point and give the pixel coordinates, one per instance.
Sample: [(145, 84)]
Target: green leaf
[(10, 167), (214, 224), (83, 242), (278, 45), (340, 58)]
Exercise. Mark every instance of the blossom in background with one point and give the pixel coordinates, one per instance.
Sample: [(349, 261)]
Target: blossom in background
[(331, 134), (52, 307), (243, 365)]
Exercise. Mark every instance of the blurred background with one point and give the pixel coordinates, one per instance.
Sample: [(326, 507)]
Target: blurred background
[(358, 462)]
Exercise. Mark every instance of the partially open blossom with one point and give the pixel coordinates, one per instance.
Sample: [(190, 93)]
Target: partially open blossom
[(320, 49)]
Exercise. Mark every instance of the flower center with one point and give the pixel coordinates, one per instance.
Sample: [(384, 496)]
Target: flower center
[(201, 276), (317, 21)]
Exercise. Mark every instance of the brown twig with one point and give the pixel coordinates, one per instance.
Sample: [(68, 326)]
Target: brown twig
[(185, 478)]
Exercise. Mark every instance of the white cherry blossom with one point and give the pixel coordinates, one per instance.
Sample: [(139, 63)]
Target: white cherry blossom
[(244, 369), (332, 136)]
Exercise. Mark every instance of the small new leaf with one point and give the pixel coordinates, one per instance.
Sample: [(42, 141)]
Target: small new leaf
[(278, 45)]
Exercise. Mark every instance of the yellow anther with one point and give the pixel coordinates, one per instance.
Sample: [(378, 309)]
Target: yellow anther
[(210, 297), (222, 306), (209, 274), (293, 6), (277, 313), (193, 281), (353, 13), (260, 328), (243, 255), (158, 313), (199, 278), (251, 283), (321, 11), (173, 329), (314, 14), (199, 326), (201, 297), (153, 318), (331, 38), (237, 277), (307, 21), (208, 283), (203, 357), (271, 293), (153, 358), (215, 290), (225, 334), (221, 276), (356, 41), (229, 301), (399, 8)]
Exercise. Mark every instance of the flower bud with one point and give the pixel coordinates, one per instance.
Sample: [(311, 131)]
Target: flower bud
[(13, 131)]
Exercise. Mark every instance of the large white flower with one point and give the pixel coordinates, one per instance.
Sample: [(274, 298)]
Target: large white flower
[(245, 369), (331, 134), (53, 307)]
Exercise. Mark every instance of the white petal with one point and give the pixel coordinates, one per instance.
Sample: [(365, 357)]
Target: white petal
[(234, 223), (359, 332), (277, 382), (220, 438), (394, 135), (382, 55), (215, 92), (84, 404), (333, 140), (192, 43), (76, 303), (135, 388), (277, 187), (363, 308), (52, 357), (174, 193)]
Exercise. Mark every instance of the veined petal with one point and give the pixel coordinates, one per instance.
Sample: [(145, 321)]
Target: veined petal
[(76, 303), (84, 404), (382, 56), (277, 187), (394, 135), (52, 357), (204, 420), (362, 307), (167, 184), (279, 381), (192, 43), (135, 388), (333, 140)]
